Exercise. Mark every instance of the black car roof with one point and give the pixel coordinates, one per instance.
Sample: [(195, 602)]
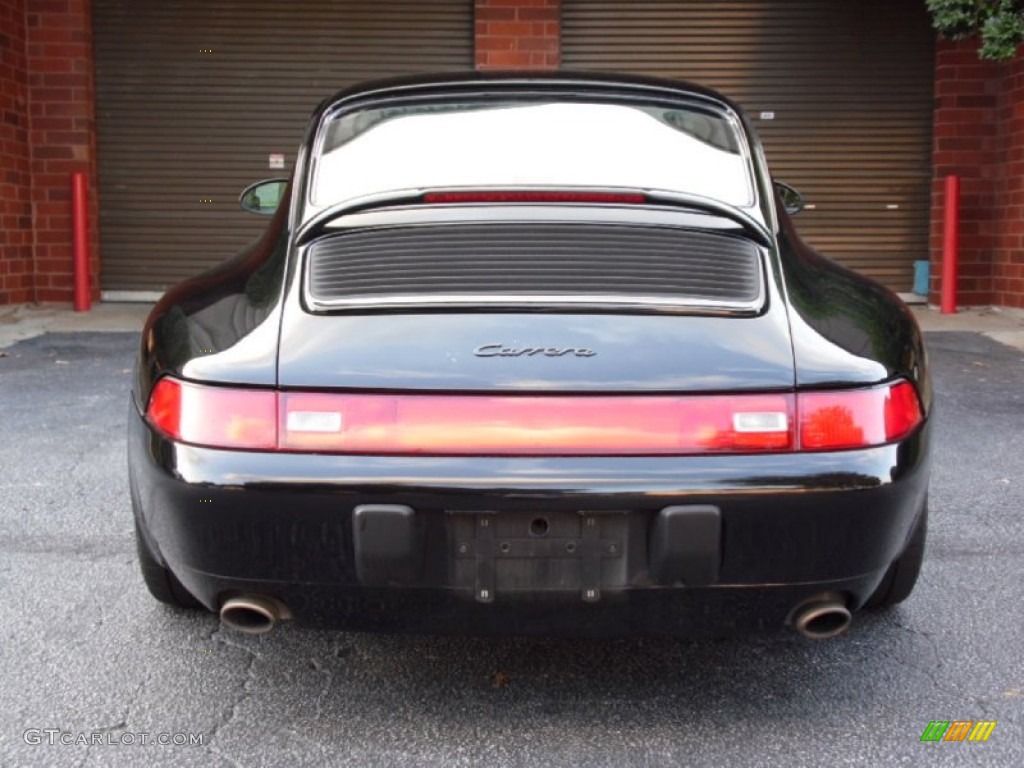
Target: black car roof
[(455, 81)]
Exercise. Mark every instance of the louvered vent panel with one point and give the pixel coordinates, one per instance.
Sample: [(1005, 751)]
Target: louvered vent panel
[(534, 260)]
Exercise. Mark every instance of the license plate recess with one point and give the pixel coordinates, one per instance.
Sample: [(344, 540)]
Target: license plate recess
[(495, 553)]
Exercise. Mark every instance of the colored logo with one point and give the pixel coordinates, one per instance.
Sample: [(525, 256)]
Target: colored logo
[(958, 730)]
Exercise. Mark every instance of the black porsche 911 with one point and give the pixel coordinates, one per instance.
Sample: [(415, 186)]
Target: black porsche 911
[(530, 354)]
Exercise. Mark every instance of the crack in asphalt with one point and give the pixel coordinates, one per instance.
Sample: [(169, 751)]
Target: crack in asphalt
[(928, 670), (79, 460), (101, 617), (328, 682), (120, 724), (217, 636), (325, 689), (85, 756), (126, 716), (92, 548), (983, 703), (307, 740), (224, 756)]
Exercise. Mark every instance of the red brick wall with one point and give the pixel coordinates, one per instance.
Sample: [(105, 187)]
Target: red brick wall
[(46, 132), (62, 135), (979, 135), (15, 181), (517, 34), (965, 144)]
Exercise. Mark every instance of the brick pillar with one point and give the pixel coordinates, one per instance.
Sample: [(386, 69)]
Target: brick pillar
[(517, 34), (15, 166), (966, 140), (62, 136), (1008, 248)]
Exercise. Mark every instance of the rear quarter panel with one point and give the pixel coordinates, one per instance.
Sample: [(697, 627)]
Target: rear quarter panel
[(221, 326), (847, 329)]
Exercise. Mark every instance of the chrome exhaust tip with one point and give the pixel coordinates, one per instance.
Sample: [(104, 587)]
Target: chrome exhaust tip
[(822, 618), (252, 614)]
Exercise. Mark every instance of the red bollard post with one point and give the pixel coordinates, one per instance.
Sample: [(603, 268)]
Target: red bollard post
[(950, 245), (80, 238)]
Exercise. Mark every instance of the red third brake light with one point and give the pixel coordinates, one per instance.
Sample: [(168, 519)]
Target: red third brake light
[(530, 425), (533, 196)]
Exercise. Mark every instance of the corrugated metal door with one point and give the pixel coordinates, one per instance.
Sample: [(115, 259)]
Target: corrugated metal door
[(841, 93), (193, 96)]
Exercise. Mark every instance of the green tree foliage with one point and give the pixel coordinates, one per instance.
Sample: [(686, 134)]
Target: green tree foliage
[(1000, 23)]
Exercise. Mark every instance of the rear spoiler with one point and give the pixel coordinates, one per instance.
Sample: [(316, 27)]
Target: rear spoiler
[(533, 195)]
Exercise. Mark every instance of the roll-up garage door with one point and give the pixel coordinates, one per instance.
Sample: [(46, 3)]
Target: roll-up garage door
[(840, 91), (196, 97)]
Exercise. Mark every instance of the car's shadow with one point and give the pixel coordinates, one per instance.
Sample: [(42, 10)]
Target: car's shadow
[(495, 683)]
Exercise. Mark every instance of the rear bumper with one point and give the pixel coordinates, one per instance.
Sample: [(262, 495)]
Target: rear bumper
[(752, 535)]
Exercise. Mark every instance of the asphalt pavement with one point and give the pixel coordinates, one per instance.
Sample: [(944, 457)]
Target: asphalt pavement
[(87, 656)]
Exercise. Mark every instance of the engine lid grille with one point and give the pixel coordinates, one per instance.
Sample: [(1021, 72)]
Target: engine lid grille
[(533, 264)]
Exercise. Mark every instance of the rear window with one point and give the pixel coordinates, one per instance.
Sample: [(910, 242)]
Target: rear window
[(511, 144)]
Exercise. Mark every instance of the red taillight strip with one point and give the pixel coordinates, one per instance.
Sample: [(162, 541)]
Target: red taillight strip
[(902, 410), (164, 411), (531, 425), (220, 417), (518, 425), (831, 421)]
